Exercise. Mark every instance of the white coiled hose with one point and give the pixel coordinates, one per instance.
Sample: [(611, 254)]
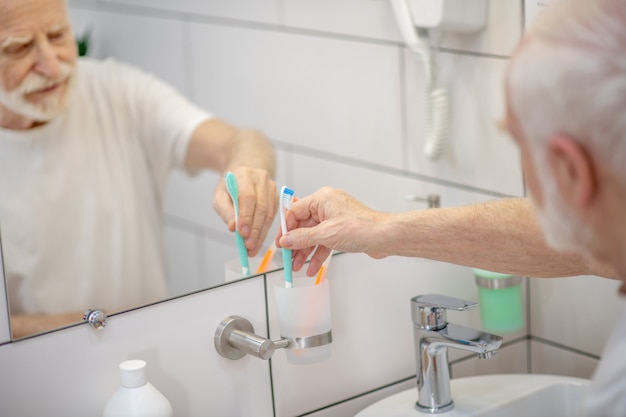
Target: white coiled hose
[(435, 99), (436, 122)]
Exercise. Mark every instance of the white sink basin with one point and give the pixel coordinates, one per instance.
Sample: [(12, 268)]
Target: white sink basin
[(510, 395)]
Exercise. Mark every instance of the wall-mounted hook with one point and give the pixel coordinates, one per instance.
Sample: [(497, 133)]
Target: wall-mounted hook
[(96, 318), (433, 200), (235, 338)]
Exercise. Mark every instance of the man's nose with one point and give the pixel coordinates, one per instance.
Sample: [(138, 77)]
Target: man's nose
[(47, 61)]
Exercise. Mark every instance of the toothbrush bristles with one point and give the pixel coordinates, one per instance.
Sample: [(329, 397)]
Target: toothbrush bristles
[(287, 197)]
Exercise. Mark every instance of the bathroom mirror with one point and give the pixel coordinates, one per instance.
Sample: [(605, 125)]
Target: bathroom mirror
[(196, 242)]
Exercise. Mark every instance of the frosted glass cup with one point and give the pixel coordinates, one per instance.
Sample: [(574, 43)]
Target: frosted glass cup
[(304, 318), (232, 268)]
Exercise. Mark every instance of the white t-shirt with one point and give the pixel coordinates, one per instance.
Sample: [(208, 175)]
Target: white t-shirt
[(81, 210), (607, 393)]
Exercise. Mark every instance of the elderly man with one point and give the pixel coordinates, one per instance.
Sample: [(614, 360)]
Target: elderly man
[(567, 112), (85, 151), (566, 109)]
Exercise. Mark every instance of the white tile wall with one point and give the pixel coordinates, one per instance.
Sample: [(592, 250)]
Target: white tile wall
[(73, 372), (370, 19), (548, 359), (250, 10), (477, 154), (381, 190), (576, 311), (335, 95), (192, 199), (182, 261), (353, 406), (373, 19), (151, 43), (372, 329), (328, 82)]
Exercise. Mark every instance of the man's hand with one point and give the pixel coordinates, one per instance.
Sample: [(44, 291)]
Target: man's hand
[(329, 219), (258, 203)]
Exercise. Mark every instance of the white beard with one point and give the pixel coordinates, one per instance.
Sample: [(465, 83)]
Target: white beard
[(46, 109)]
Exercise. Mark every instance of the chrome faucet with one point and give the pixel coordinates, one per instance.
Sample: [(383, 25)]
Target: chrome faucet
[(433, 336)]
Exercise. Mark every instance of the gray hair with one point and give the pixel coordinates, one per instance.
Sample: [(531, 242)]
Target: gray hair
[(569, 77)]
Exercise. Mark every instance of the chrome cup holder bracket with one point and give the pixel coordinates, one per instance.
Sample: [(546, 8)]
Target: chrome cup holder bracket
[(235, 338)]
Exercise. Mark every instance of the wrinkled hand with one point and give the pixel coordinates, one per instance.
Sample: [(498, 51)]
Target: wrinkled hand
[(329, 219), (258, 203)]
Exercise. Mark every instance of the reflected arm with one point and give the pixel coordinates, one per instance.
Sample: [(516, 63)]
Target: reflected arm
[(23, 325), (221, 147), (218, 146)]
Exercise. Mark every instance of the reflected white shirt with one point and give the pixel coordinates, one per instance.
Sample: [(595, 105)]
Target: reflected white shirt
[(81, 217)]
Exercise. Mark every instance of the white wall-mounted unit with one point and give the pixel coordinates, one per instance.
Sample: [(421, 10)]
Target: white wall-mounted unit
[(465, 16)]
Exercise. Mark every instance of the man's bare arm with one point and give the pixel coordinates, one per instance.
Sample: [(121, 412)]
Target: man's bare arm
[(500, 235)]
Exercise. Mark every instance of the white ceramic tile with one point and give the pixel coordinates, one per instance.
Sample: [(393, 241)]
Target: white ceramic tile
[(151, 43), (547, 359), (216, 254), (499, 37), (378, 189), (181, 255), (196, 262), (374, 19), (253, 10), (368, 19), (511, 359), (578, 312), (284, 170), (372, 329), (191, 199), (477, 154), (336, 95), (73, 372), (353, 406)]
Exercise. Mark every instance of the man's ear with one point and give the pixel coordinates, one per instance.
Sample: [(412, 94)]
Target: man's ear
[(573, 170)]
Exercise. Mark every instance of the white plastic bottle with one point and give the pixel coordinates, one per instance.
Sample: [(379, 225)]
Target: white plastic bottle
[(136, 397)]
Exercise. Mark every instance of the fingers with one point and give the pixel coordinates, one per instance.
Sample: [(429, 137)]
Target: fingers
[(299, 240), (223, 205), (300, 257), (318, 258), (258, 203), (265, 208)]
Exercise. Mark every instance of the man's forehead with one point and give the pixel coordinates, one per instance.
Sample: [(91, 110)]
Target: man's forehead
[(18, 17)]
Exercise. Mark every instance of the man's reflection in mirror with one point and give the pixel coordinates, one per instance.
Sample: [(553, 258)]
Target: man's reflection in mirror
[(86, 147)]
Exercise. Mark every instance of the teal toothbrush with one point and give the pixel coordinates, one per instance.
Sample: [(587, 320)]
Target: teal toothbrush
[(286, 200), (233, 190)]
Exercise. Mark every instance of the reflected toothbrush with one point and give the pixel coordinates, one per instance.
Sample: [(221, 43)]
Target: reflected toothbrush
[(286, 200), (267, 258), (233, 191)]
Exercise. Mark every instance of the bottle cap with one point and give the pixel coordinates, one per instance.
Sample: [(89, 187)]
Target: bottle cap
[(133, 373)]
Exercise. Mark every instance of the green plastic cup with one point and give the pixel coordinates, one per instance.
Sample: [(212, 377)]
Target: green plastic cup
[(501, 305)]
